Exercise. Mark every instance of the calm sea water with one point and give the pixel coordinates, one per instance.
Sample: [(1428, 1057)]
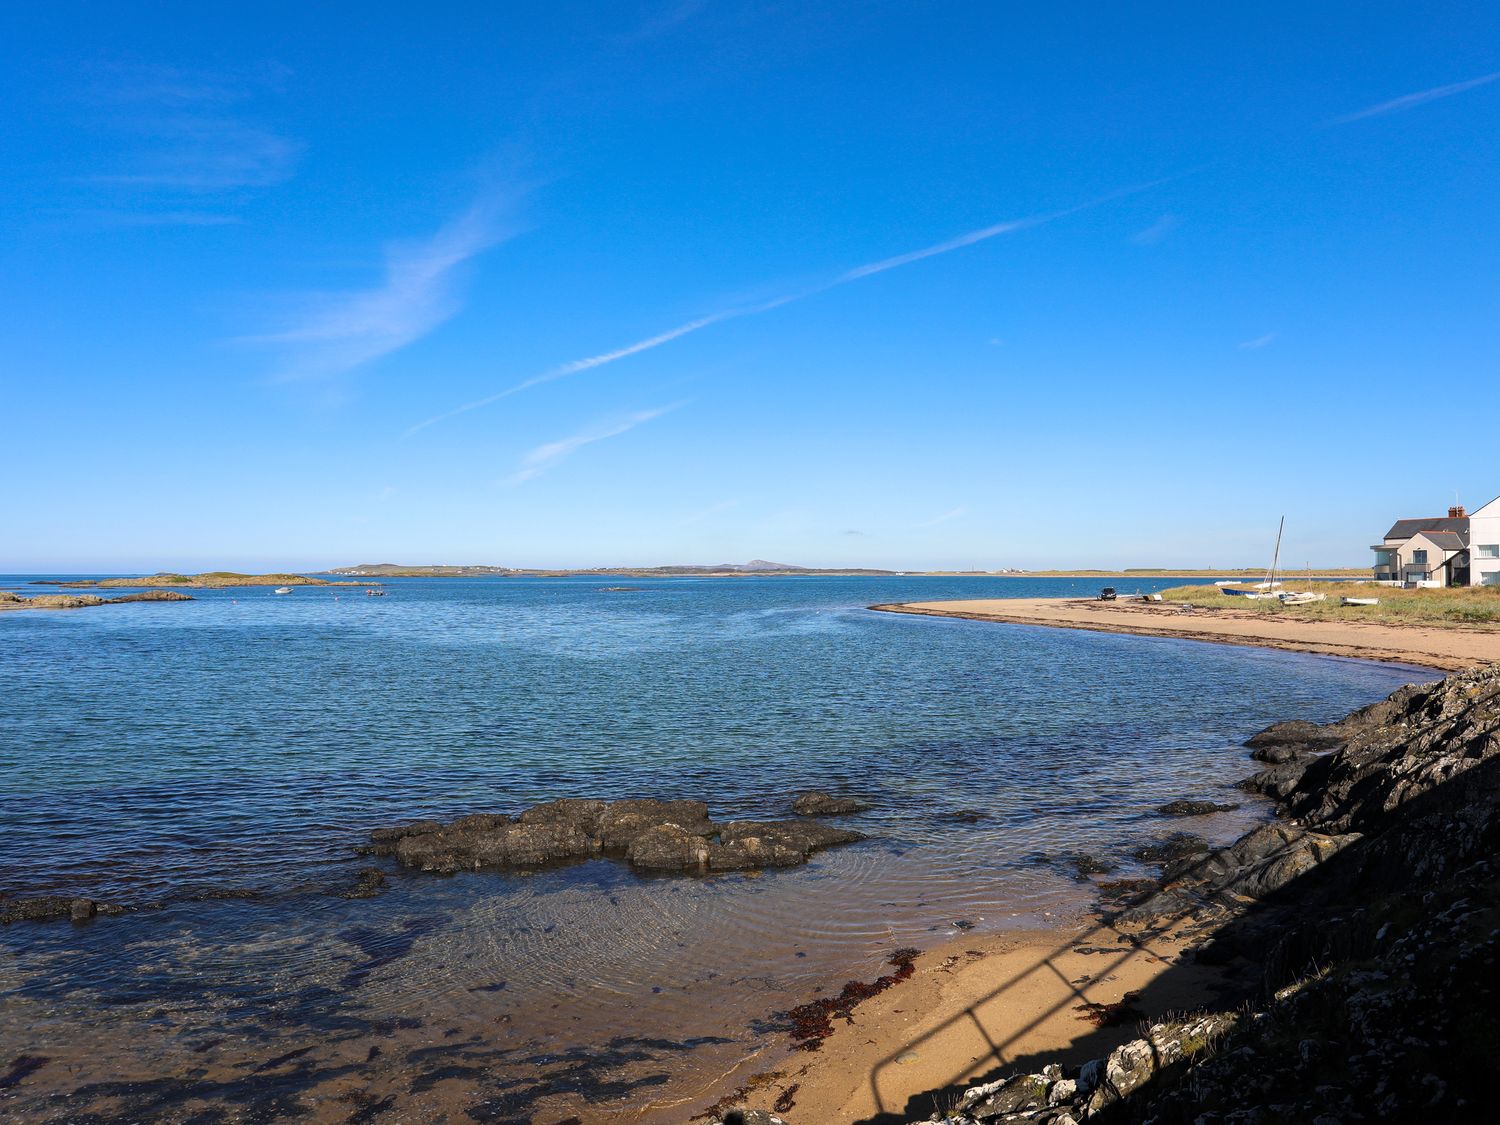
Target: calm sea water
[(178, 755)]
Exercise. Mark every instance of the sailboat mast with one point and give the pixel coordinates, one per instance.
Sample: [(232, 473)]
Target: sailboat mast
[(1276, 555)]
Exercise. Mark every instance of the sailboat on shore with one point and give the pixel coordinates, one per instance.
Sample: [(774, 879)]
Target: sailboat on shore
[(1266, 588)]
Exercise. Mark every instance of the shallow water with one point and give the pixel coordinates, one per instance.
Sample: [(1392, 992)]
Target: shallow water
[(155, 754)]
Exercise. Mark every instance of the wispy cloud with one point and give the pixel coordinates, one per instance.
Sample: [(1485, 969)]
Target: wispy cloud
[(337, 333), (1421, 97), (1258, 342), (553, 453), (951, 514), (855, 274), (1156, 231), (186, 133), (163, 218)]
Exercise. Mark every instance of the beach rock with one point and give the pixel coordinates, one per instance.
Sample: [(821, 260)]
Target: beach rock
[(667, 847), (806, 836), (1193, 808), (44, 908), (622, 821), (1171, 849), (964, 816), (1085, 865), (1275, 755), (752, 853), (818, 803), (1280, 780), (1299, 735), (367, 884), (749, 844), (650, 835), (504, 845)]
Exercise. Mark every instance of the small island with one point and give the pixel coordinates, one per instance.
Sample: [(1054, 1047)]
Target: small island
[(10, 600), (209, 580)]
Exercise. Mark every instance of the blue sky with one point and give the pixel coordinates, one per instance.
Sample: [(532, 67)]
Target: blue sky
[(947, 285)]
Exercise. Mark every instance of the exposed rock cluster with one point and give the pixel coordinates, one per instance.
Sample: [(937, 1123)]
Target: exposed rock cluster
[(650, 835), (44, 908)]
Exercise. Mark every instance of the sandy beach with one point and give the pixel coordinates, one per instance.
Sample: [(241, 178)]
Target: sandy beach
[(1447, 649), (982, 1006)]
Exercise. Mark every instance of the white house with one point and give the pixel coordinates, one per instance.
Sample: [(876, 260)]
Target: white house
[(1458, 549)]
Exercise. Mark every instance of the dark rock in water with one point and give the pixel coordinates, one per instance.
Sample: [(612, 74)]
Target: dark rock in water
[(746, 844), (572, 812), (514, 844), (1085, 865), (44, 908), (806, 836), (367, 884), (1280, 780), (1298, 734), (666, 847), (818, 803), (1276, 754), (621, 822), (383, 840), (650, 835), (1172, 849), (1193, 808), (964, 816)]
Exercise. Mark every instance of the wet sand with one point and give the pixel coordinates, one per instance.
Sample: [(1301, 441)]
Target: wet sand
[(1427, 646), (974, 1008)]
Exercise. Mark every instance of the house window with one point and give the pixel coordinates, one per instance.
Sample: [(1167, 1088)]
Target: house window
[(1419, 558), (1488, 550)]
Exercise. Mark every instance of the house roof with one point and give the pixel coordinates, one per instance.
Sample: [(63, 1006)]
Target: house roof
[(1447, 540), (1405, 529)]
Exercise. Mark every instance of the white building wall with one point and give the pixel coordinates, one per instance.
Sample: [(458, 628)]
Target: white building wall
[(1484, 531)]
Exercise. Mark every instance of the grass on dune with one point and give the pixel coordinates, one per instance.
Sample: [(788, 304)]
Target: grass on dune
[(1473, 606)]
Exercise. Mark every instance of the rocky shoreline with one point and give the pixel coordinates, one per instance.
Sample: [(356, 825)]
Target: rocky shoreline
[(12, 601), (1363, 927)]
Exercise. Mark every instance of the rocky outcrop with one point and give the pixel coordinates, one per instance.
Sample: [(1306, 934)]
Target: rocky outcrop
[(10, 600), (650, 835), (818, 803), (1193, 808), (44, 908)]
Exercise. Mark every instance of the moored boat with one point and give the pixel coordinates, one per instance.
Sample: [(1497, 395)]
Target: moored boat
[(282, 590)]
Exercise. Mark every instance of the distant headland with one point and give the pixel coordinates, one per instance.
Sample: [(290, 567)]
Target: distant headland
[(761, 568)]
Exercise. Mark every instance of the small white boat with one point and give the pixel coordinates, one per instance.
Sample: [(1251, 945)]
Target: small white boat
[(282, 590), (1302, 598), (1359, 601), (1229, 582)]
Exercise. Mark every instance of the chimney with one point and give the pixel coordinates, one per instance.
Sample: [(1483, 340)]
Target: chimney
[(1457, 512)]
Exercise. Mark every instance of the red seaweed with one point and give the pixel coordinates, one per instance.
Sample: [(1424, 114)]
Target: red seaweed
[(811, 1023)]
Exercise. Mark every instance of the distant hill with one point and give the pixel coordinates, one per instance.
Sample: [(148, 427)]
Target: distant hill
[(754, 566)]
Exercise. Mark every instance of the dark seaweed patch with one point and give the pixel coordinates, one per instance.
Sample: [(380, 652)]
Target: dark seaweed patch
[(811, 1023)]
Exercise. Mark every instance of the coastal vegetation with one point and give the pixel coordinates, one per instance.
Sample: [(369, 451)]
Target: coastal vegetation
[(1454, 607)]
